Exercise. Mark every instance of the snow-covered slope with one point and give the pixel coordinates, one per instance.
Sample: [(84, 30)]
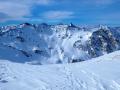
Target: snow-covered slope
[(48, 44), (98, 74)]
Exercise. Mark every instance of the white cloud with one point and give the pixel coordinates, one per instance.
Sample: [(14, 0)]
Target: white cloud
[(17, 9), (58, 15), (44, 2), (14, 9)]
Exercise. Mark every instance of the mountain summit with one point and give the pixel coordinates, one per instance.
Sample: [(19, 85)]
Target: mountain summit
[(48, 44)]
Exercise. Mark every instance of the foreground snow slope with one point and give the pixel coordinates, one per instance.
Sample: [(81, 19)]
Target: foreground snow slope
[(99, 74)]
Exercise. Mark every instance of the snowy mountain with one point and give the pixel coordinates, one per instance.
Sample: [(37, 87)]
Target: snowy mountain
[(47, 44), (26, 44), (101, 73)]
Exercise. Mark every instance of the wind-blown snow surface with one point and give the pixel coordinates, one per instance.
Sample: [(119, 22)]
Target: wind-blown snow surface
[(101, 73)]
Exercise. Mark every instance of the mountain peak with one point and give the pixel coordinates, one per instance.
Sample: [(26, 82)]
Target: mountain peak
[(72, 25)]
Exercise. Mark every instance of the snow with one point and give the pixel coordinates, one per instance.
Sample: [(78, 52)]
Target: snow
[(25, 47), (54, 42), (51, 44), (100, 73)]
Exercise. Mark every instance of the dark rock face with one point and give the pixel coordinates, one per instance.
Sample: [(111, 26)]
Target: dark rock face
[(102, 41), (28, 24), (77, 60), (21, 39)]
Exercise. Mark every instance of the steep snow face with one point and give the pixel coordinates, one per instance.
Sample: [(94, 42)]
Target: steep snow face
[(47, 44), (98, 74), (28, 40), (41, 44)]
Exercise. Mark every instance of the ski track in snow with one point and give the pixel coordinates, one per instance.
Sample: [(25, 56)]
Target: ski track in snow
[(86, 75)]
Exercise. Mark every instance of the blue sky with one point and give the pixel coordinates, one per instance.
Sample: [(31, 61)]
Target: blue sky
[(81, 12)]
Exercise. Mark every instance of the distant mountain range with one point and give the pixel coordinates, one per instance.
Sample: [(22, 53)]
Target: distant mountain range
[(48, 44)]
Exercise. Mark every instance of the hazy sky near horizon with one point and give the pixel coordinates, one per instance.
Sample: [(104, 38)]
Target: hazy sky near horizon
[(56, 11)]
